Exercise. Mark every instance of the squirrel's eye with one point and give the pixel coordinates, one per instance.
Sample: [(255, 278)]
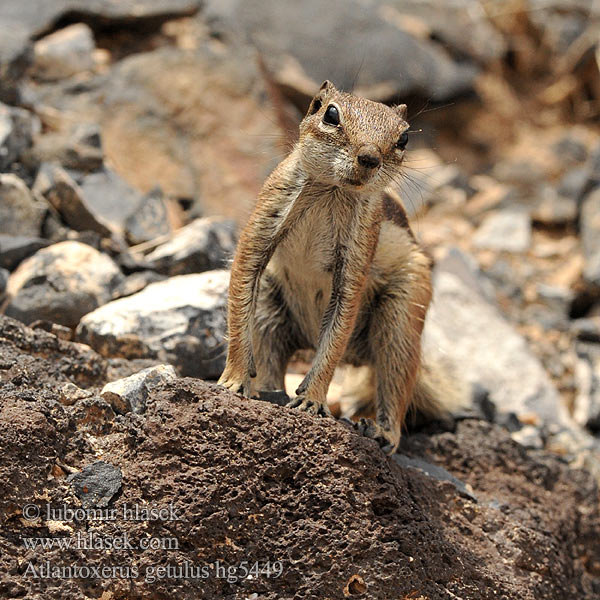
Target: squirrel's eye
[(401, 143), (331, 116)]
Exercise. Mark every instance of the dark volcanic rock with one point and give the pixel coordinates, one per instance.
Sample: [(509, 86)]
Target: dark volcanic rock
[(203, 245), (96, 484), (62, 283), (242, 480)]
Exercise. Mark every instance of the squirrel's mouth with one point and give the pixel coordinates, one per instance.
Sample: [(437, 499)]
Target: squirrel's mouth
[(354, 182)]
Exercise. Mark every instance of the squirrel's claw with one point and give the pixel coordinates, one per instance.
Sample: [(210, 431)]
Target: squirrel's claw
[(385, 438), (238, 385), (313, 407)]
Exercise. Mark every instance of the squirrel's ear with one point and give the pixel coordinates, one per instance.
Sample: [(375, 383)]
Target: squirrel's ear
[(401, 110), (326, 88)]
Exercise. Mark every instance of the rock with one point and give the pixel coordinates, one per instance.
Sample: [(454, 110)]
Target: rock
[(203, 245), (17, 129), (574, 183), (93, 415), (130, 394), (586, 410), (3, 281), (505, 231), (70, 201), (554, 209), (80, 150), (207, 459), (528, 436), (587, 330), (589, 224), (447, 23), (489, 353), (15, 248), (110, 198), (71, 393), (150, 220), (64, 53), (20, 213), (136, 282), (435, 472), (180, 321), (96, 484), (392, 63), (60, 331), (61, 283), (24, 21), (174, 118)]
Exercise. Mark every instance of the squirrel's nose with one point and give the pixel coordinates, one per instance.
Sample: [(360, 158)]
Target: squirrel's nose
[(369, 158)]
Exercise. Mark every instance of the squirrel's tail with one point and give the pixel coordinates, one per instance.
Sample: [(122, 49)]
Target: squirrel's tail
[(438, 393)]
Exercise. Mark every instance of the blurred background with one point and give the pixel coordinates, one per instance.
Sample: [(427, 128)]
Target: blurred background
[(135, 136)]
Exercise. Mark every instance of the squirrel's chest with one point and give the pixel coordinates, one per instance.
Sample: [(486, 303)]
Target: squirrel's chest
[(308, 250)]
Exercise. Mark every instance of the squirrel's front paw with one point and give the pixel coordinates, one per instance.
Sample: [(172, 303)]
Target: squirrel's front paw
[(313, 407), (235, 383), (388, 440)]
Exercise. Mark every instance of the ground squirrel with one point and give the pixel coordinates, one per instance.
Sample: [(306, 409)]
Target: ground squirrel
[(328, 261)]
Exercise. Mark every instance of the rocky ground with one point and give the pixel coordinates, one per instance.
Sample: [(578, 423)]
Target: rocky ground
[(134, 137)]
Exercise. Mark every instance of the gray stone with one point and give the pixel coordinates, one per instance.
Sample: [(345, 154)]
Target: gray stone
[(448, 22), (61, 283), (371, 52), (70, 201), (136, 282), (96, 484), (203, 245), (80, 149), (15, 248), (554, 209), (589, 223), (110, 198), (4, 274), (435, 472), (586, 410), (574, 183), (130, 394), (509, 231), (150, 220), (22, 21), (181, 320), (463, 326), (17, 128), (64, 53), (20, 212)]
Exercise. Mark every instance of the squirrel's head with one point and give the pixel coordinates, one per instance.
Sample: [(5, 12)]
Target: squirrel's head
[(351, 142)]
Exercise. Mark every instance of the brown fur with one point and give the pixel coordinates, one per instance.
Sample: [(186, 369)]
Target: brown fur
[(327, 261)]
